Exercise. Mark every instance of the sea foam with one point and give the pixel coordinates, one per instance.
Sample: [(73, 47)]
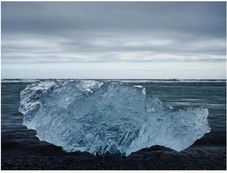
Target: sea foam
[(107, 117)]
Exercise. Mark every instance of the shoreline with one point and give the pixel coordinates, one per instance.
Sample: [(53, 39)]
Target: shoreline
[(51, 157)]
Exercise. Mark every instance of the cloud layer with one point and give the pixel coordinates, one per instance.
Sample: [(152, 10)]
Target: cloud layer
[(110, 33)]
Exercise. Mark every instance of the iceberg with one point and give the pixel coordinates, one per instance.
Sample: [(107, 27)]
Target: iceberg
[(107, 117)]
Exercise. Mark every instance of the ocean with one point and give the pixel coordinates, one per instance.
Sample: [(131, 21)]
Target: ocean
[(21, 149)]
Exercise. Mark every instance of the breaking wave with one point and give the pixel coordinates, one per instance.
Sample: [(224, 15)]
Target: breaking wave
[(107, 117)]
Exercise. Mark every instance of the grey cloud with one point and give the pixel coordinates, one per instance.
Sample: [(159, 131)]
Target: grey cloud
[(112, 32), (43, 17), (111, 48)]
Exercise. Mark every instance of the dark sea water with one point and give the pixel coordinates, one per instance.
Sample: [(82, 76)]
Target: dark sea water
[(19, 143)]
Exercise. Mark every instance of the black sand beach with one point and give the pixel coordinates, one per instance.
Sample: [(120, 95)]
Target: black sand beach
[(44, 156)]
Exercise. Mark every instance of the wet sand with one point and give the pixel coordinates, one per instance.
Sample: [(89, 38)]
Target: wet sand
[(40, 155)]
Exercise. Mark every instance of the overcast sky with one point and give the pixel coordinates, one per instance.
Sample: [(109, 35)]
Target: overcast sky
[(140, 40)]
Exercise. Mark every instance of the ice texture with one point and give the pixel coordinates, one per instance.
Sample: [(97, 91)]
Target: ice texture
[(107, 117)]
